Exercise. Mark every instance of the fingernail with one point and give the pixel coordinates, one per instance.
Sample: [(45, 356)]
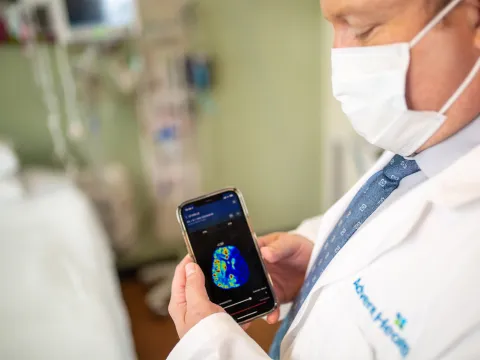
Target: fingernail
[(190, 269)]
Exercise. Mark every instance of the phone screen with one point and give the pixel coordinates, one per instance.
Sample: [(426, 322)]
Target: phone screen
[(225, 250)]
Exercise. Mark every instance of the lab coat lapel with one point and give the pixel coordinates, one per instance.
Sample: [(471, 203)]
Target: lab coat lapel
[(360, 249), (456, 186), (373, 240)]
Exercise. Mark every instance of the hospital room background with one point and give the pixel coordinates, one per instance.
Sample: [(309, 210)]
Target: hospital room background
[(112, 113)]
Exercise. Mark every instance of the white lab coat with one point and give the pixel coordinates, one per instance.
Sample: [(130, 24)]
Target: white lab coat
[(418, 258)]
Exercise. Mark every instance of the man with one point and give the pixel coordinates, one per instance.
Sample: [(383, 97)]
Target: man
[(392, 270)]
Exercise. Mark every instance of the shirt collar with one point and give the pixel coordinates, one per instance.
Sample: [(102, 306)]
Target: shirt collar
[(437, 158)]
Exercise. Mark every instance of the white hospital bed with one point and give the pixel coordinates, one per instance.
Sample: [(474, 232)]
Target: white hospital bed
[(59, 294)]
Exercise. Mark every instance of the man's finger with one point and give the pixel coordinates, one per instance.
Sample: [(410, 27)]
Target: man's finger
[(278, 250), (273, 317), (268, 239), (178, 298), (195, 291), (246, 326)]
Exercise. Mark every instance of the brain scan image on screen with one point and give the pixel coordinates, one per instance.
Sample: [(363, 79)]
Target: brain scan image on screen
[(229, 269)]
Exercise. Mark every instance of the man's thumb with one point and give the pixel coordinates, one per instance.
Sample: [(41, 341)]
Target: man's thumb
[(278, 250), (195, 286)]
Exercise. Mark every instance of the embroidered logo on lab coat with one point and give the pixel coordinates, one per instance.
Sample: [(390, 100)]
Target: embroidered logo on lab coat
[(387, 326), (400, 321)]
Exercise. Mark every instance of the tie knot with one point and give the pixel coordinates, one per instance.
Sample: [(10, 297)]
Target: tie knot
[(400, 168)]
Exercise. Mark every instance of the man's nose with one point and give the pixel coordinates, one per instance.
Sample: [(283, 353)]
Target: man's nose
[(344, 38)]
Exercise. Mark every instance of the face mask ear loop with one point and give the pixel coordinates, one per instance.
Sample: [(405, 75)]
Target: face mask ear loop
[(434, 22), (462, 88)]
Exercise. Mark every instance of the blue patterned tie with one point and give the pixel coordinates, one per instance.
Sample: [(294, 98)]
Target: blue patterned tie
[(367, 200)]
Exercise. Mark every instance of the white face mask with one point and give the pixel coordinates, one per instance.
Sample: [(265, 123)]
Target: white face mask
[(370, 83)]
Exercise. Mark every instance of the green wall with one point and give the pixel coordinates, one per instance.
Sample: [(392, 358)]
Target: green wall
[(263, 134), (22, 114)]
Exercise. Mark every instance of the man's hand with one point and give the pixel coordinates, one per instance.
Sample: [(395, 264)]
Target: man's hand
[(189, 303), (286, 258)]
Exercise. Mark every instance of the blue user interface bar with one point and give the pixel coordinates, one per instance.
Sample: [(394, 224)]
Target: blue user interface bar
[(201, 217)]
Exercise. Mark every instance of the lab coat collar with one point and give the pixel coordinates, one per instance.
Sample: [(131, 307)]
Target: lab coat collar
[(459, 184)]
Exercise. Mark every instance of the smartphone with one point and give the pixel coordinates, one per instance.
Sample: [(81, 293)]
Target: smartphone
[(219, 237)]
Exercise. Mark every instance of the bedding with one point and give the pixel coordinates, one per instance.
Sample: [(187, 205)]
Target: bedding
[(60, 296)]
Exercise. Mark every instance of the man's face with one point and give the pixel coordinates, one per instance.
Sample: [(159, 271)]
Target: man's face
[(440, 61)]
